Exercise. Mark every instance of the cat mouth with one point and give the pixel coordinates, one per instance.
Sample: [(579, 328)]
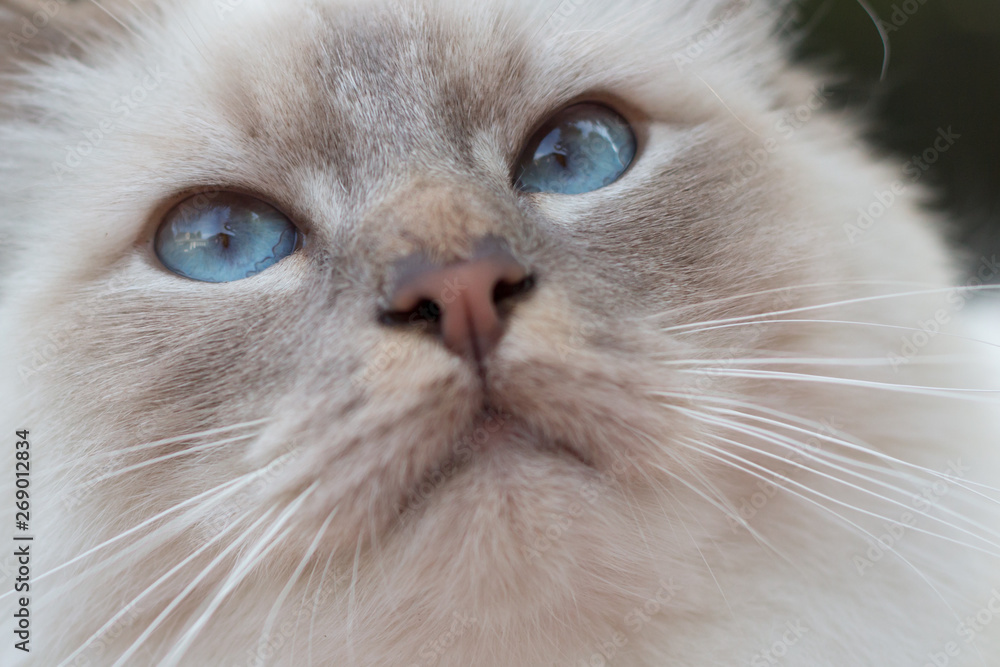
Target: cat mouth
[(493, 434), (496, 429)]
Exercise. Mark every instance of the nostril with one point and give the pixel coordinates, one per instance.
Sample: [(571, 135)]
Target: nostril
[(425, 312), (507, 290), (429, 311)]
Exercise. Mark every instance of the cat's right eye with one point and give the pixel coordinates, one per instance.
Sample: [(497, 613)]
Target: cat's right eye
[(582, 148), (223, 236)]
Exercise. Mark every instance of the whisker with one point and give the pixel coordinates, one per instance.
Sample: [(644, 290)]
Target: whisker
[(119, 22), (240, 570), (275, 610), (860, 447), (651, 485), (237, 483), (877, 325), (306, 590), (785, 478), (698, 446), (728, 108), (161, 443), (726, 511), (937, 392), (866, 450), (190, 587), (131, 605), (146, 544), (312, 619), (166, 457), (807, 361), (700, 305), (831, 304), (883, 34), (701, 554), (797, 447), (720, 502), (352, 600)]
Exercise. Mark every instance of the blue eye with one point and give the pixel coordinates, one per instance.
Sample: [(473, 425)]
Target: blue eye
[(584, 147), (217, 237)]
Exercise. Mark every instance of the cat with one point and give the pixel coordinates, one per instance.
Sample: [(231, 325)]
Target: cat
[(496, 333)]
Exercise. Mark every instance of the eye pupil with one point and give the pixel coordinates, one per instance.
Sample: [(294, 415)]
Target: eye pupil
[(584, 147)]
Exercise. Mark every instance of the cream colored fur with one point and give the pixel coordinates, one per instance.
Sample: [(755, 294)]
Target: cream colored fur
[(374, 515)]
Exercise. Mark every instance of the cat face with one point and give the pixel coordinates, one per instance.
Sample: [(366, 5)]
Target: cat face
[(539, 485)]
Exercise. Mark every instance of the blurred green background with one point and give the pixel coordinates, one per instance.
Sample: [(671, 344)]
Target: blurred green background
[(944, 71)]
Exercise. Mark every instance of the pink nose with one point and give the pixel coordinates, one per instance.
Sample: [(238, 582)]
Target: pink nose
[(465, 303)]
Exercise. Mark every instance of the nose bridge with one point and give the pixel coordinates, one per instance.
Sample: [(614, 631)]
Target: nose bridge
[(445, 222)]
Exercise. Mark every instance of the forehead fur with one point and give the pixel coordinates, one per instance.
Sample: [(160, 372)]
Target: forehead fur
[(331, 67)]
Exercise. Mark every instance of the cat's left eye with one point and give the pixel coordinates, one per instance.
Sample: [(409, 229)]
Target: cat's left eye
[(582, 148), (219, 237)]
